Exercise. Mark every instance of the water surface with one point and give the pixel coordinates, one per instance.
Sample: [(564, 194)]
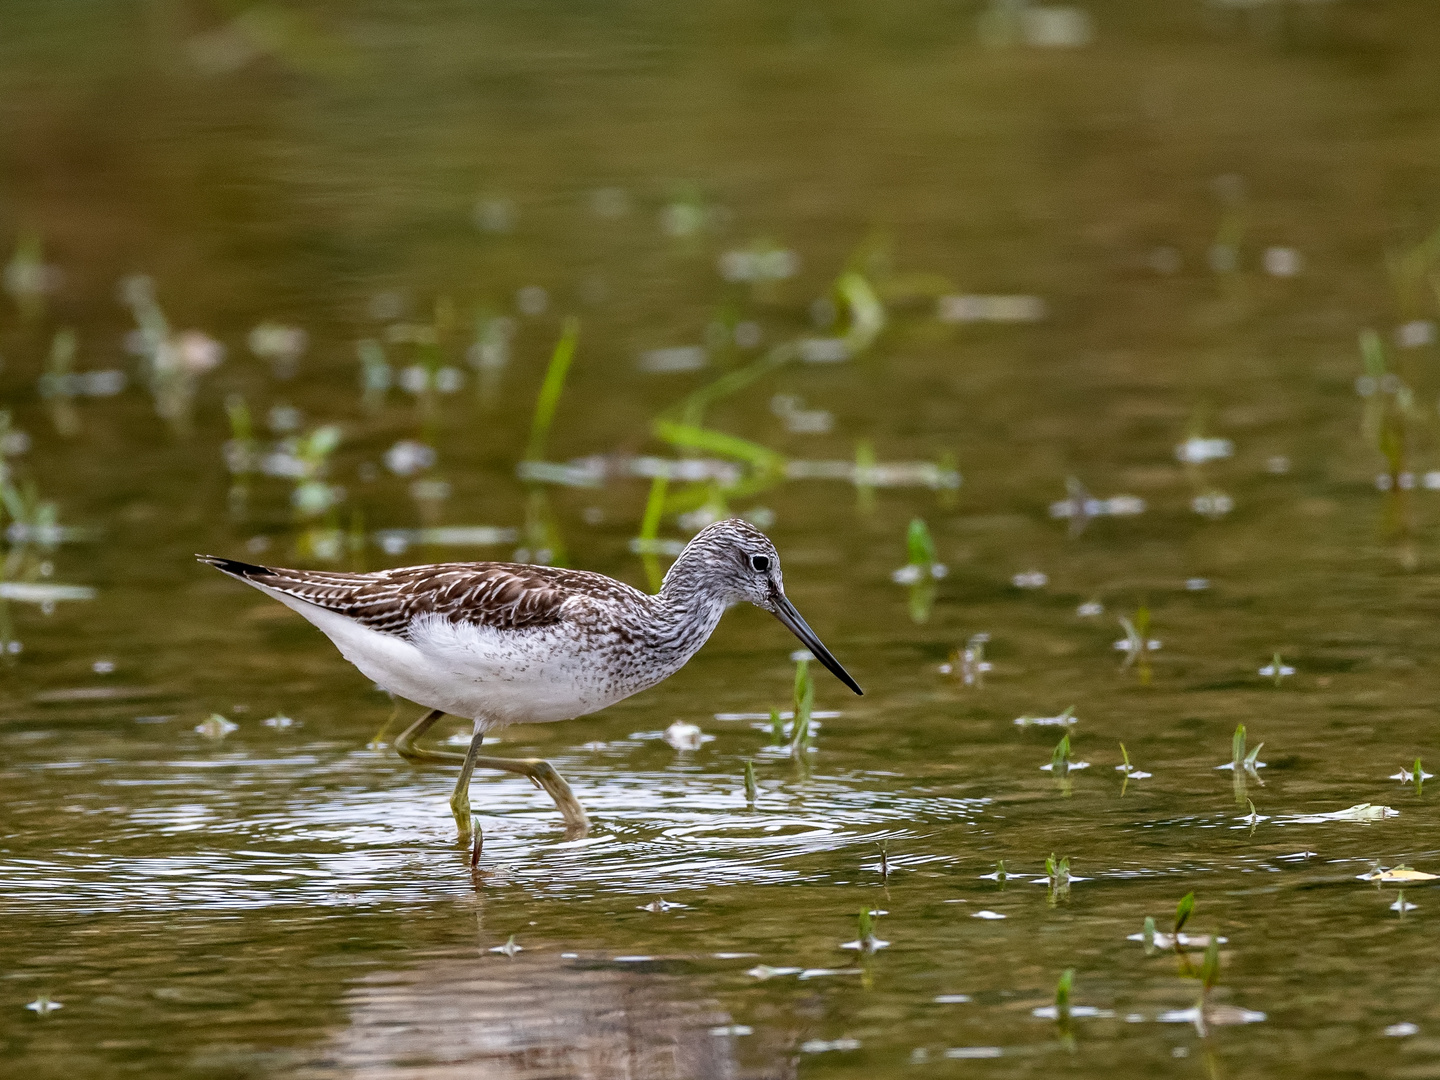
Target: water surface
[(1200, 207)]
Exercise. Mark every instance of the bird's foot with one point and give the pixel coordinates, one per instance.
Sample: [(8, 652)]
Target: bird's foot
[(577, 823)]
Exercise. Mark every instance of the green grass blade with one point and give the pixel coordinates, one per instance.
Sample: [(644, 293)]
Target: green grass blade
[(550, 389), (1183, 910)]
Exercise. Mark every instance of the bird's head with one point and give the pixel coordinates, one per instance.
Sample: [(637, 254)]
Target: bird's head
[(733, 561)]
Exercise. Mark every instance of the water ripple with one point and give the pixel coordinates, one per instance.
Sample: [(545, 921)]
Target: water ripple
[(280, 831)]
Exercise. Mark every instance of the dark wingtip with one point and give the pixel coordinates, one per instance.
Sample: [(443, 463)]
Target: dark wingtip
[(233, 567)]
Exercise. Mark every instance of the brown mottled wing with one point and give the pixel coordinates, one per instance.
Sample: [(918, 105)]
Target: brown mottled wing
[(505, 596)]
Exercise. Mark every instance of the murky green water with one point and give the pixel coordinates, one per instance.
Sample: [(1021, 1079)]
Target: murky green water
[(1209, 202)]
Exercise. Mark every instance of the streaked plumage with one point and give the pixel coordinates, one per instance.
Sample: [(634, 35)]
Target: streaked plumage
[(501, 643)]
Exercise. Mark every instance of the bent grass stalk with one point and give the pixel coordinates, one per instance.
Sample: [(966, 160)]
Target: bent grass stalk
[(922, 561), (542, 532), (1063, 991), (549, 397), (1060, 757), (1058, 873)]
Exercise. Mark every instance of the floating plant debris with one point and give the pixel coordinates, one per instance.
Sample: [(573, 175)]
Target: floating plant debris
[(782, 714), (102, 383), (1240, 759), (867, 941), (398, 541), (597, 470), (1276, 670), (1079, 507), (1130, 771), (1213, 1015), (758, 263), (824, 350), (216, 727), (1064, 719), (1064, 1009), (821, 1046), (408, 457), (798, 419), (1361, 812), (923, 562), (1058, 878), (683, 735), (1397, 873), (1060, 762), (970, 663), (898, 474), (765, 971), (281, 345), (660, 904), (510, 948), (1136, 642), (1169, 941), (43, 593), (1198, 450), (1282, 262), (1415, 774), (675, 358), (993, 309), (1212, 504)]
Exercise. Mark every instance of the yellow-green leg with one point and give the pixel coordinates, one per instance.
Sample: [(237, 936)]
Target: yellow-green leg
[(543, 775), (540, 773), (406, 748)]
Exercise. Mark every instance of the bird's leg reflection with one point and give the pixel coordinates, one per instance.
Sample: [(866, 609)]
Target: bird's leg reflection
[(540, 773)]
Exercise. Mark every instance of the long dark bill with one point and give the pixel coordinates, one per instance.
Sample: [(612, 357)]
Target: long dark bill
[(790, 618)]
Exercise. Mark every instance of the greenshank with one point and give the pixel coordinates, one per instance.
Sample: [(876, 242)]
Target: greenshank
[(507, 643)]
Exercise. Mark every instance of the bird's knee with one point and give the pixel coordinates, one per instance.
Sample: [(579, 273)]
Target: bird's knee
[(412, 753)]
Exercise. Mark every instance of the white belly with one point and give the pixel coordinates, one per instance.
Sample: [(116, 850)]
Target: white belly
[(495, 677)]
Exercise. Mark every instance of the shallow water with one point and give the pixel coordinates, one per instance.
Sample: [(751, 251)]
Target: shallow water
[(290, 900)]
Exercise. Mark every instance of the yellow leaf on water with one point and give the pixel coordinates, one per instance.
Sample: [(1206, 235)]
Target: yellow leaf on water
[(1399, 873)]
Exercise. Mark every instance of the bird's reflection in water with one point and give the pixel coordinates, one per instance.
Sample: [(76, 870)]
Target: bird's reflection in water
[(530, 1017)]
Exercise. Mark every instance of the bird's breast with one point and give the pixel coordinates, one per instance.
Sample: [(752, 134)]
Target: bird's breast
[(536, 674)]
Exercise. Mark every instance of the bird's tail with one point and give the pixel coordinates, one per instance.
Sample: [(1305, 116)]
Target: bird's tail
[(235, 568)]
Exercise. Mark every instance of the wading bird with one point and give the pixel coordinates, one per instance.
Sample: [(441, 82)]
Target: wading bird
[(503, 643)]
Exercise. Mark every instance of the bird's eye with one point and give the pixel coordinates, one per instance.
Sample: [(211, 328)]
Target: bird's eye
[(760, 563)]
